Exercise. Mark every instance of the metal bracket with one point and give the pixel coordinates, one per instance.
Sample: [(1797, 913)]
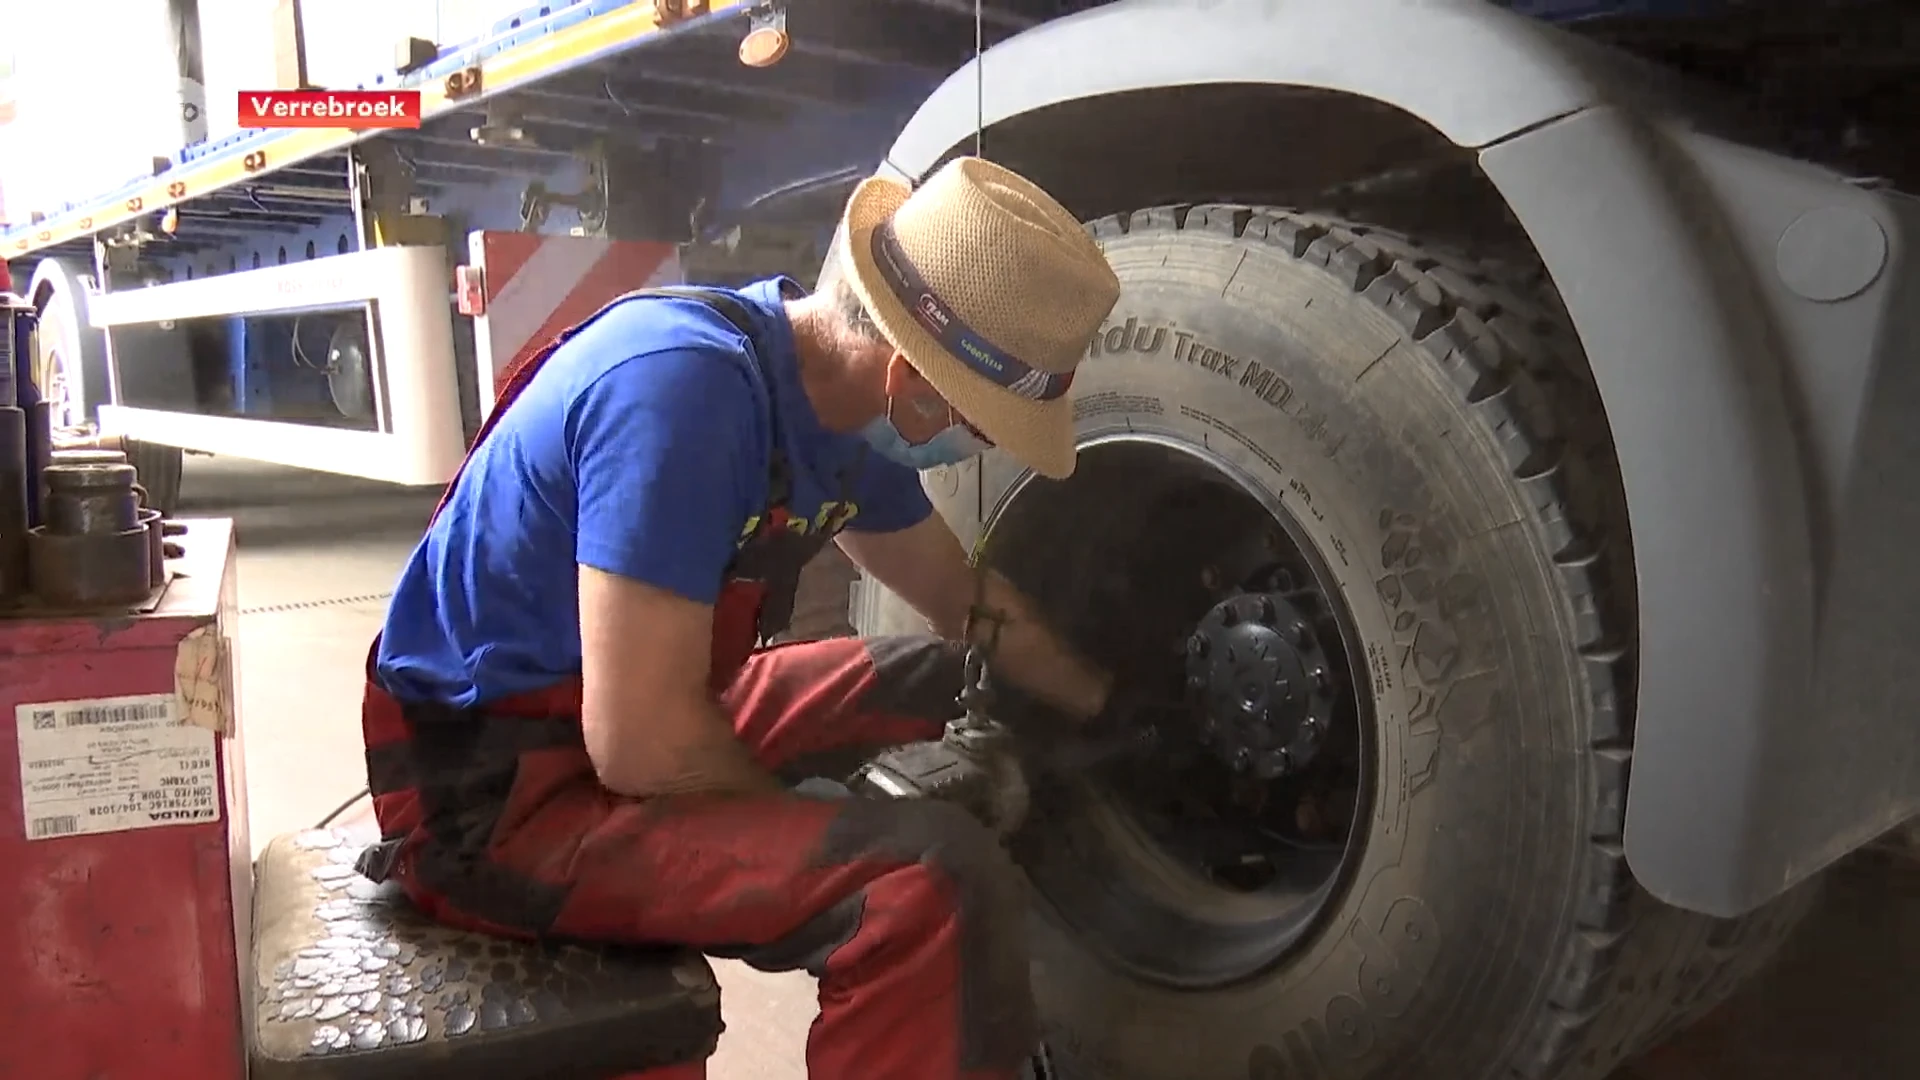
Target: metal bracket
[(410, 54), (976, 690), (116, 255), (671, 12), (122, 246), (502, 127), (590, 202), (386, 200)]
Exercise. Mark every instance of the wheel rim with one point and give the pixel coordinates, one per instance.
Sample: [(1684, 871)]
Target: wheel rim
[(52, 374), (1190, 869), (56, 389)]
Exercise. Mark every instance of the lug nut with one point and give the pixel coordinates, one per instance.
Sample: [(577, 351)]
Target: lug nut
[(1268, 613), (1198, 646), (1230, 615)]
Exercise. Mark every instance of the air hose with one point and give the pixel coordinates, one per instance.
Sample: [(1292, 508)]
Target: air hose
[(335, 813)]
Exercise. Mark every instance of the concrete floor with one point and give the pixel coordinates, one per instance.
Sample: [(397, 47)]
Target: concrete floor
[(318, 554)]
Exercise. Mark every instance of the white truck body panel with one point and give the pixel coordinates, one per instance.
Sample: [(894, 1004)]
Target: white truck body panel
[(415, 381)]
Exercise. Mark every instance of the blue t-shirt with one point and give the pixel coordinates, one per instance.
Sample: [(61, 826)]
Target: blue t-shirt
[(642, 449)]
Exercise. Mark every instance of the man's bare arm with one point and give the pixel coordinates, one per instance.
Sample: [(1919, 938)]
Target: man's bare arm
[(928, 568), (652, 726)]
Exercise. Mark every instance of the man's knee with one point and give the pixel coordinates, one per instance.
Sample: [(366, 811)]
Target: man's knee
[(986, 890), (943, 867), (964, 876), (916, 676), (938, 834)]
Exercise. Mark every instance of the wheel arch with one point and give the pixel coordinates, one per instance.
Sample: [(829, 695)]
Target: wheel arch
[(1574, 158)]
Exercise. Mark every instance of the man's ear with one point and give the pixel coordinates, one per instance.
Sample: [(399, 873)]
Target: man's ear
[(902, 380), (914, 390)]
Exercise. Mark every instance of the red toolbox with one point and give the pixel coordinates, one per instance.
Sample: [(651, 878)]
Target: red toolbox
[(124, 923)]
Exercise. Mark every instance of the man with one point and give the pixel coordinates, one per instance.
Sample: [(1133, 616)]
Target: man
[(565, 731)]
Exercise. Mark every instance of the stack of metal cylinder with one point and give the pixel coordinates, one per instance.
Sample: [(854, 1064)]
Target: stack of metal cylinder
[(73, 533)]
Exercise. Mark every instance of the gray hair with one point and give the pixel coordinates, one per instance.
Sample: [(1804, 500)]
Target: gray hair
[(849, 311)]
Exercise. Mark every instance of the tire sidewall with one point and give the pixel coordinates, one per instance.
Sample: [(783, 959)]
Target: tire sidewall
[(59, 336), (63, 331), (1312, 396)]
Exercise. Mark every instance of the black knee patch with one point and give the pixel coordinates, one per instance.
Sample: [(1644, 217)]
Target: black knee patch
[(917, 676), (808, 947)]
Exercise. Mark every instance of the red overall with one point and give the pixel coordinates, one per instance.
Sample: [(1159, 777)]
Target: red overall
[(908, 913)]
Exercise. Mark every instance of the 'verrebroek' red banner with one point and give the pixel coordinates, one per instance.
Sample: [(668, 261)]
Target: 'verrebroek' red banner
[(355, 109)]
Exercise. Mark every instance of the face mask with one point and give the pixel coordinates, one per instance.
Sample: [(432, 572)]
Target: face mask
[(950, 447)]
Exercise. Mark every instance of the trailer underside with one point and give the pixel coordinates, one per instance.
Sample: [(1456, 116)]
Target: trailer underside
[(702, 141)]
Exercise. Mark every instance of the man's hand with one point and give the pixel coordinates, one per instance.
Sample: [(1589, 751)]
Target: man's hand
[(927, 567), (651, 725)]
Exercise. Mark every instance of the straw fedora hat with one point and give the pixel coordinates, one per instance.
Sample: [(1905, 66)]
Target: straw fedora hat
[(992, 290)]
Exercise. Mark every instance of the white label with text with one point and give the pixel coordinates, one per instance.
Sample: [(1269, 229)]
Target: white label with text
[(112, 765)]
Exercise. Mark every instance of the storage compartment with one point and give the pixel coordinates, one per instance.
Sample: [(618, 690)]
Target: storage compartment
[(313, 367)]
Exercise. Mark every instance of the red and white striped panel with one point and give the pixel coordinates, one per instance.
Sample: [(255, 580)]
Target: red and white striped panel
[(531, 287)]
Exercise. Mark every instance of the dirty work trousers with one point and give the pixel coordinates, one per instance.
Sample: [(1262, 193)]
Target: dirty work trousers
[(908, 913)]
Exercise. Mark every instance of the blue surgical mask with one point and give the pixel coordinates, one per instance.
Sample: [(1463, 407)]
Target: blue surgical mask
[(950, 447)]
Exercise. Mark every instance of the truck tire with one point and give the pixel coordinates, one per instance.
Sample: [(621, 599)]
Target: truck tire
[(71, 369), (1420, 426), (159, 469)]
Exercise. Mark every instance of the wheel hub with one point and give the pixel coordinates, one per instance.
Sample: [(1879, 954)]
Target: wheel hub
[(1258, 670)]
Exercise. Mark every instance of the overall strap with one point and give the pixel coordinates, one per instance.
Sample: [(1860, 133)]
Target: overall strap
[(779, 472), (522, 371)]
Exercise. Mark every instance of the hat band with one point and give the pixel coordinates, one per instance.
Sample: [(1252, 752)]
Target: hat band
[(971, 348)]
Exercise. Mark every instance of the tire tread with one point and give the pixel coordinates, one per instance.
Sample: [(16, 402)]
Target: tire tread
[(1632, 971)]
